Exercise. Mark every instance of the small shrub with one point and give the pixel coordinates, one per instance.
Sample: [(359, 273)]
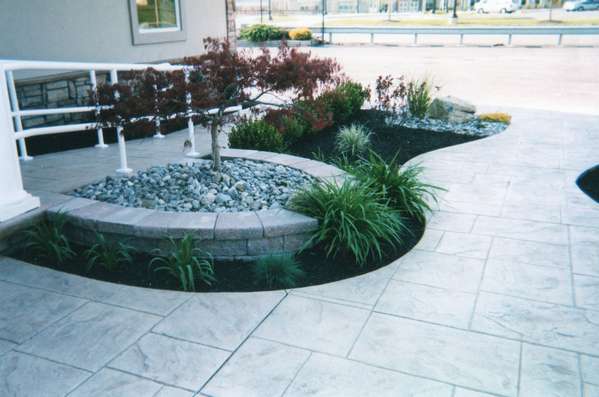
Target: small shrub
[(290, 125), (261, 32), (300, 34), (47, 240), (390, 94), (278, 271), (256, 134), (316, 114), (419, 97), (186, 264), (496, 117), (353, 140), (353, 219), (345, 100), (111, 256), (400, 186)]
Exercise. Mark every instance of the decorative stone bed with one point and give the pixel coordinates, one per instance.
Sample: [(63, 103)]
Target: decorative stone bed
[(243, 235)]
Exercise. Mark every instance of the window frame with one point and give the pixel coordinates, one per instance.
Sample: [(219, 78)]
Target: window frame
[(157, 35)]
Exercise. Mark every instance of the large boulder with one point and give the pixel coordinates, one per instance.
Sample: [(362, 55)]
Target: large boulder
[(451, 109)]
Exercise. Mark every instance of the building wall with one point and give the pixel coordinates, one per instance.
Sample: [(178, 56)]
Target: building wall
[(98, 30)]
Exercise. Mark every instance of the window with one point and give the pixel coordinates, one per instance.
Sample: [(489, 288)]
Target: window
[(155, 15), (157, 21)]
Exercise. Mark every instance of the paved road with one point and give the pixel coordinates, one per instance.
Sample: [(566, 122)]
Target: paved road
[(558, 79)]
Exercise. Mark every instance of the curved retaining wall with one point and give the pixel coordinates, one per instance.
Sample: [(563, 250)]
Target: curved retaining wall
[(231, 235)]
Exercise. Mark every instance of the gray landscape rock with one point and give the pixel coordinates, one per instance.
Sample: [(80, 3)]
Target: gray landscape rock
[(451, 109), (242, 185)]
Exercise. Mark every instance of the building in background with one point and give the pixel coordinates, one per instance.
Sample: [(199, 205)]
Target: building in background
[(114, 31), (110, 30), (331, 6)]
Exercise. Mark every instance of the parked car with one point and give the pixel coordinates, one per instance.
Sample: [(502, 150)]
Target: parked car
[(501, 6), (581, 5)]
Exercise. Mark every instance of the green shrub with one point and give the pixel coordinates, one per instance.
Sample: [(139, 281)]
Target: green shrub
[(47, 241), (111, 256), (315, 114), (186, 264), (288, 123), (262, 32), (353, 219), (419, 97), (402, 187), (300, 34), (353, 140), (256, 134), (345, 101), (278, 271)]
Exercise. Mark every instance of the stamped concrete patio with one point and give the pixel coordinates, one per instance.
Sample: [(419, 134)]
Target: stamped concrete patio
[(500, 298)]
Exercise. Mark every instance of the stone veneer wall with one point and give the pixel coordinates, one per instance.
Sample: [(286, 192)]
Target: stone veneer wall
[(231, 235)]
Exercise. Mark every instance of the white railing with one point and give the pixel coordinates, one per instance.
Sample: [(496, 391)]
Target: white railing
[(507, 31), (14, 200), (21, 134)]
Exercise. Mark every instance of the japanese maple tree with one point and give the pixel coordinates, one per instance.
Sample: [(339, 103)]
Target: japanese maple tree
[(217, 81)]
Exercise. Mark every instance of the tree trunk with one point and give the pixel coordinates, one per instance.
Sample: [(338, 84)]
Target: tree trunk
[(214, 129)]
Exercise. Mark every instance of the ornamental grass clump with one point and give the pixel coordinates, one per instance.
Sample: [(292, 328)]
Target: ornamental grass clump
[(48, 242), (496, 117), (353, 140), (354, 219), (186, 264), (278, 271), (419, 97), (111, 256), (401, 186)]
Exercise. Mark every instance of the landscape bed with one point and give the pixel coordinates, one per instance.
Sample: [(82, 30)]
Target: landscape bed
[(243, 224), (316, 267), (386, 140), (589, 183)]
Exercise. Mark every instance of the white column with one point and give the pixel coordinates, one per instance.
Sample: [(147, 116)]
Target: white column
[(14, 200)]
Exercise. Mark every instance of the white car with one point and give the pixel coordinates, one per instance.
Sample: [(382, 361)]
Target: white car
[(581, 5), (502, 6)]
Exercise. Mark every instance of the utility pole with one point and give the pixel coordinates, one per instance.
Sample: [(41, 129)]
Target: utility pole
[(270, 10), (389, 4), (261, 17), (454, 17), (323, 5)]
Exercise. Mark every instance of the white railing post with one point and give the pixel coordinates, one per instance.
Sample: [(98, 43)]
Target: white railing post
[(190, 127), (14, 200), (94, 83), (124, 168), (157, 133), (14, 99)]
